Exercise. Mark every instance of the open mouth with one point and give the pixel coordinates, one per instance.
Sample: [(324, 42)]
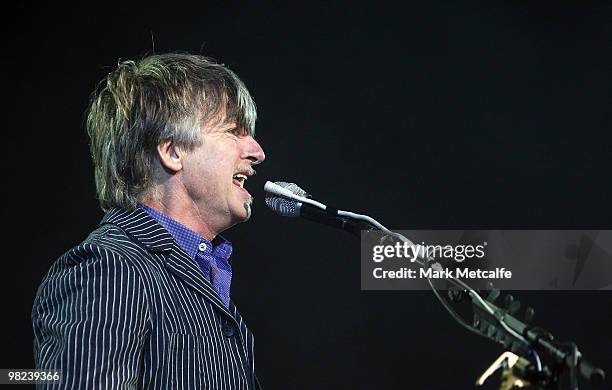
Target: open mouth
[(239, 179)]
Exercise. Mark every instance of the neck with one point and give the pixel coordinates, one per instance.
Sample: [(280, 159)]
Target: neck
[(186, 214)]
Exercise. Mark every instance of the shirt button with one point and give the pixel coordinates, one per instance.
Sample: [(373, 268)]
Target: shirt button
[(202, 247)]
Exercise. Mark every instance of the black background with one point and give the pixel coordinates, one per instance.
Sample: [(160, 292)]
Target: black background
[(429, 115)]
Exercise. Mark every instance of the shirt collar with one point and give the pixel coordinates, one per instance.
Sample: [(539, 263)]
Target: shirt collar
[(190, 241)]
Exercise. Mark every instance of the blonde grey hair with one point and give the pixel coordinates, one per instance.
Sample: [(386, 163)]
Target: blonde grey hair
[(160, 98)]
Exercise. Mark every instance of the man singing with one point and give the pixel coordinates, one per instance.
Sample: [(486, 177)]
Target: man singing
[(144, 301)]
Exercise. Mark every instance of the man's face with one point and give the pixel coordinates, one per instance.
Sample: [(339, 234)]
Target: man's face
[(215, 172)]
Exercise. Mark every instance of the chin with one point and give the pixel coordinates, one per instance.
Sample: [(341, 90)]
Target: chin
[(241, 213)]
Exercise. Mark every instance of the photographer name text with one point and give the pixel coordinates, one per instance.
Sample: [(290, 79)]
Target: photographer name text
[(408, 273)]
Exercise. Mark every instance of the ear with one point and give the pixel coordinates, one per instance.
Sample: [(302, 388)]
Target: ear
[(170, 157)]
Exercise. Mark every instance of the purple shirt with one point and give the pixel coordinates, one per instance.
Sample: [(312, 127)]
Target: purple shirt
[(212, 260)]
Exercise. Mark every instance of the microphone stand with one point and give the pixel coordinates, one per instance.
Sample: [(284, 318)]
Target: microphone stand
[(329, 217), (501, 326), (566, 356)]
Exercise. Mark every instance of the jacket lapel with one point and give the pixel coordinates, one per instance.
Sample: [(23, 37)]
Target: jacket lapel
[(155, 238), (244, 331), (186, 269)]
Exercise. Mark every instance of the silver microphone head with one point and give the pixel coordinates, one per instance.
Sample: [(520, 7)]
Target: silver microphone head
[(283, 206), (293, 188)]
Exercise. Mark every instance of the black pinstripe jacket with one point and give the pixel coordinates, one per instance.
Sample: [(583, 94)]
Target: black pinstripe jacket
[(128, 308)]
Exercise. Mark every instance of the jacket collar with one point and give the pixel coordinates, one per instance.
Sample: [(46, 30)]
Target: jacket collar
[(139, 225)]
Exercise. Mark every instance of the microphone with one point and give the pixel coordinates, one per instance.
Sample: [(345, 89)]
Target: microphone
[(289, 200)]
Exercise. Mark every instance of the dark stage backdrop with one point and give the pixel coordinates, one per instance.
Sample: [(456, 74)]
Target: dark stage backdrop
[(436, 115)]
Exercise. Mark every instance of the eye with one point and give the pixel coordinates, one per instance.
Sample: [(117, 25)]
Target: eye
[(230, 133), (237, 132)]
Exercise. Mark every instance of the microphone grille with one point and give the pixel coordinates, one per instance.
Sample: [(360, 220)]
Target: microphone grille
[(282, 206)]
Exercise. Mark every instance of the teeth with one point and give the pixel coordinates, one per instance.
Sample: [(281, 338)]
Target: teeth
[(240, 178)]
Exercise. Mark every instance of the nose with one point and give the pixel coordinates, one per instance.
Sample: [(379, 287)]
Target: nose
[(253, 151)]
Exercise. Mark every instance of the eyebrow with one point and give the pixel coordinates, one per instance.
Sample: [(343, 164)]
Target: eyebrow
[(240, 130)]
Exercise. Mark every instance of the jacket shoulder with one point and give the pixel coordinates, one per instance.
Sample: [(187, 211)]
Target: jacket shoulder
[(106, 245)]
